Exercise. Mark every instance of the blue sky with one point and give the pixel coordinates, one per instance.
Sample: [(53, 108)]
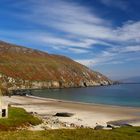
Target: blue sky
[(101, 34)]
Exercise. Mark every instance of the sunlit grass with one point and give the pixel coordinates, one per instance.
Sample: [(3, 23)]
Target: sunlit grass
[(128, 133), (17, 117)]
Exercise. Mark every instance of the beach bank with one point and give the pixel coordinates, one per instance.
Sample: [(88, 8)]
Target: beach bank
[(84, 115)]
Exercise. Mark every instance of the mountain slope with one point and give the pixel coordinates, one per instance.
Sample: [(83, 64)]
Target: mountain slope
[(21, 67)]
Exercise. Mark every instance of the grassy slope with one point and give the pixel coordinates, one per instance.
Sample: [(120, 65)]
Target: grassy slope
[(79, 134), (28, 64), (17, 117)]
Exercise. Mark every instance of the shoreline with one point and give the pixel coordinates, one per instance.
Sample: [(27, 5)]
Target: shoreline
[(85, 114), (84, 103)]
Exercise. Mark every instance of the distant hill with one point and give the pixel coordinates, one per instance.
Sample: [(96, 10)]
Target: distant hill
[(22, 67), (131, 80)]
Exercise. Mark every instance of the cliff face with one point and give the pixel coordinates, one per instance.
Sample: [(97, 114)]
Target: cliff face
[(22, 67)]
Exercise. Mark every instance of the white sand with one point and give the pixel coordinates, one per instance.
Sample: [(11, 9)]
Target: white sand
[(87, 115)]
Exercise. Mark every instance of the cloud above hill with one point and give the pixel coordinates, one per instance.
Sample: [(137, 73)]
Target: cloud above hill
[(76, 30)]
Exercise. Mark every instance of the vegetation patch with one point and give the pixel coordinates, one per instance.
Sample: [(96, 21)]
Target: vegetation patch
[(124, 133), (18, 117)]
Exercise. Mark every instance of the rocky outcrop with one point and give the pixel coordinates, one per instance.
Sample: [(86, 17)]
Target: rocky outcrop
[(12, 84), (64, 114), (22, 68)]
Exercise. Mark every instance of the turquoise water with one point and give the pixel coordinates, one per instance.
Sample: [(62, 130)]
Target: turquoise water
[(118, 95)]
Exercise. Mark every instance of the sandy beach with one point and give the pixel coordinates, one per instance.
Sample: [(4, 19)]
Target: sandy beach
[(85, 115)]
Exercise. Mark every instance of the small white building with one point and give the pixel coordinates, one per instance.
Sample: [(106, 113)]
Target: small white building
[(3, 107), (4, 111)]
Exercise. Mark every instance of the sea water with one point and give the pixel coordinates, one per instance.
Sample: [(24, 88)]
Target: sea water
[(118, 95)]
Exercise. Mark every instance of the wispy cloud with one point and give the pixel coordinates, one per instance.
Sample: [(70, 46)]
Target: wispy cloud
[(78, 50), (121, 4), (114, 55), (78, 21), (74, 28)]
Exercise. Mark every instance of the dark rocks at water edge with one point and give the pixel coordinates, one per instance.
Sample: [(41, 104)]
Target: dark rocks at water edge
[(25, 68), (21, 92)]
